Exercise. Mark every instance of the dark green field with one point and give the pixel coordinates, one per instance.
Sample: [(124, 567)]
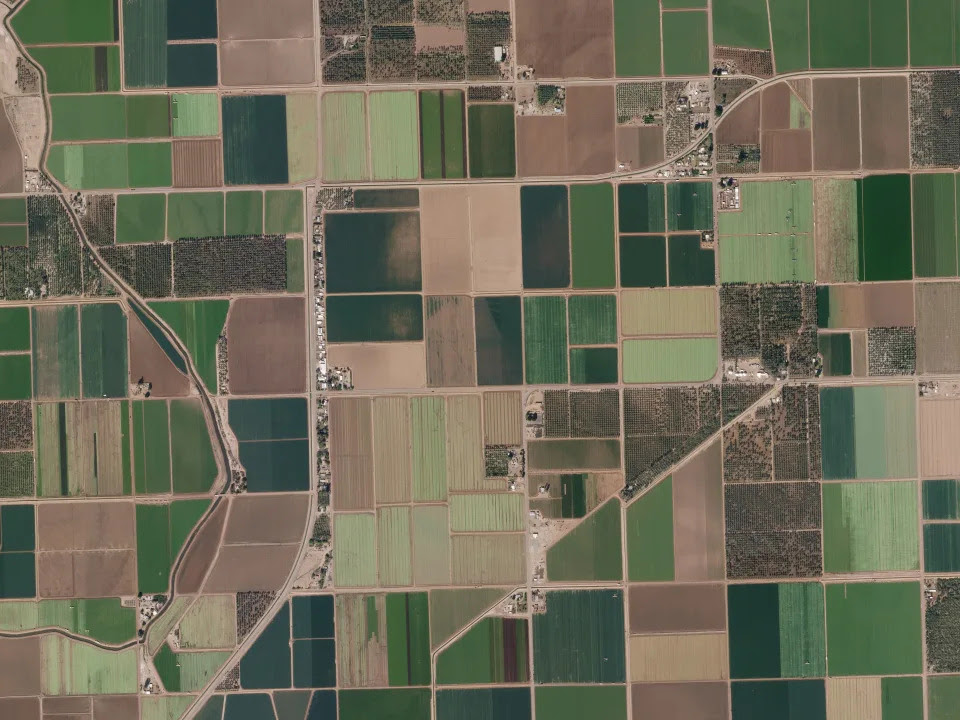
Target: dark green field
[(593, 253), (884, 239), (103, 350), (373, 252), (545, 233), (374, 318), (267, 662), (499, 340), (690, 264), (492, 141), (254, 139), (643, 261), (590, 366), (153, 548)]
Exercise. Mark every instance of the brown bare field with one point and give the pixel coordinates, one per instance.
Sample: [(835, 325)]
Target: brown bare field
[(381, 365), (451, 351), (939, 428), (938, 338), (640, 146), (11, 158), (741, 126), (351, 453), (698, 517), (391, 449), (19, 666), (20, 708), (502, 418), (858, 352), (90, 525), (680, 701), (94, 447), (591, 122), (836, 124), (431, 36), (267, 346), (242, 568), (476, 6), (883, 305), (265, 19), (856, 698), (266, 518), (94, 573), (65, 705), (197, 163), (149, 362), (116, 707), (804, 90), (678, 658), (200, 555), (566, 38), (495, 238), (785, 151), (677, 608), (884, 123), (445, 240), (267, 62), (776, 107), (541, 145)]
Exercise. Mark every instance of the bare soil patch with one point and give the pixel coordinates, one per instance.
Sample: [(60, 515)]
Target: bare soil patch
[(266, 345), (20, 708), (28, 117), (265, 19), (116, 707), (591, 122), (495, 238), (19, 666), (939, 428), (431, 36), (541, 145), (680, 701), (149, 362), (698, 517), (197, 163), (242, 568), (11, 158), (267, 62), (104, 573), (199, 557), (381, 365), (677, 608), (876, 305), (65, 705), (445, 239), (267, 518), (566, 38), (639, 146), (785, 151), (90, 525), (776, 107), (351, 453), (836, 124), (938, 337), (885, 123), (741, 126), (451, 349)]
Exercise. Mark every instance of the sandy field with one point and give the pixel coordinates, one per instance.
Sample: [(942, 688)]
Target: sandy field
[(19, 666), (381, 365), (885, 123), (566, 38), (90, 525), (242, 568), (266, 518), (495, 238), (445, 240), (541, 145), (836, 124), (267, 62), (265, 19), (698, 517), (266, 345), (939, 428), (938, 337), (93, 573), (640, 146), (431, 36)]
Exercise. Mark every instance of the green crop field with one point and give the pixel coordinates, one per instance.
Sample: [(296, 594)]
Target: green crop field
[(141, 218), (592, 254), (637, 37), (198, 323), (492, 141), (545, 340)]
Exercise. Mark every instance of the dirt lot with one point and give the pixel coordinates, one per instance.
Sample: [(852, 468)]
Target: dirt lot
[(939, 428), (104, 573), (677, 608), (116, 707), (381, 365), (351, 453), (876, 305), (20, 708), (90, 525), (240, 568), (65, 705), (680, 701), (445, 240), (741, 126), (451, 350), (785, 151), (267, 519), (266, 345), (591, 122), (541, 145), (776, 107), (566, 38), (836, 124), (495, 238), (938, 338), (19, 666), (267, 62), (197, 163), (149, 362), (885, 123), (640, 146), (265, 19), (698, 517), (199, 557)]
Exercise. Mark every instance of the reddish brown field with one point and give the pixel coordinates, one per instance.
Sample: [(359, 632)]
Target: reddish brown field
[(785, 151), (885, 123), (66, 705), (93, 573), (20, 708), (90, 525), (11, 158), (116, 707), (541, 145), (677, 608), (776, 107), (199, 557), (566, 38), (265, 19), (149, 362), (445, 240), (451, 351), (267, 346), (680, 701), (267, 62), (266, 518), (640, 146), (19, 666), (242, 568), (591, 122), (351, 453), (741, 126), (197, 163), (875, 305), (698, 517), (836, 124)]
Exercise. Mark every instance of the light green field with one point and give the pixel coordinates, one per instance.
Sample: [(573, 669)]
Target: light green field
[(669, 361), (394, 132), (344, 120), (355, 551)]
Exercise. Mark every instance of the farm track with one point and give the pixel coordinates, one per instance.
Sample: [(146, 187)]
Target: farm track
[(214, 419)]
